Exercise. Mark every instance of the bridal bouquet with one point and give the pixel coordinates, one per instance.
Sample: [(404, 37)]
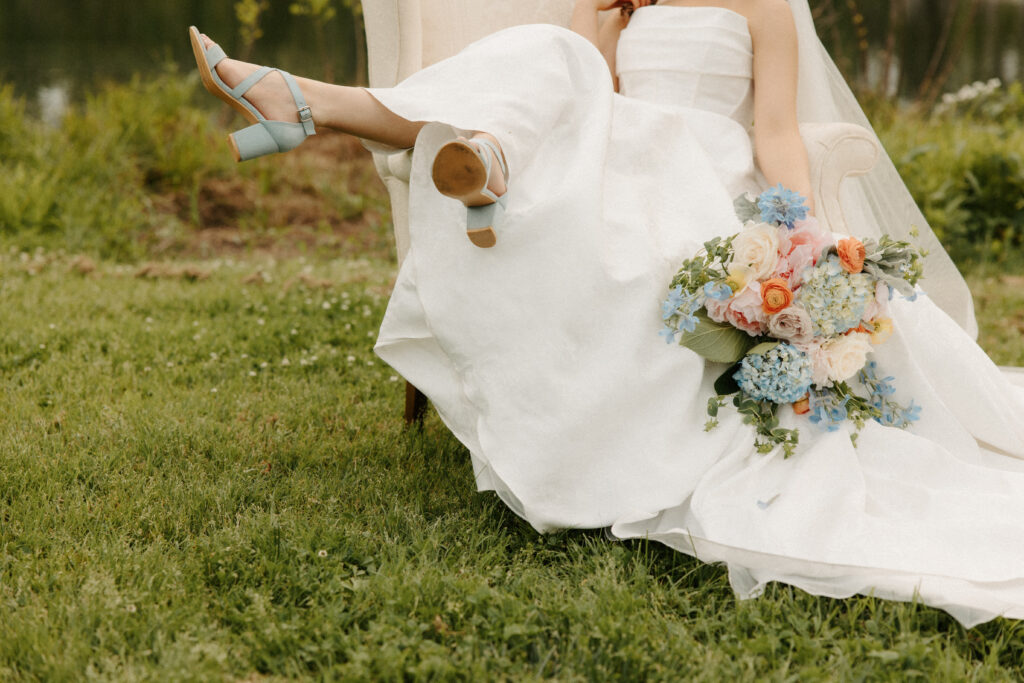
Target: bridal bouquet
[(795, 314)]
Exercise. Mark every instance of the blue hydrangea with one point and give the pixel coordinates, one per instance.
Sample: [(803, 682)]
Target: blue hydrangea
[(835, 299), (719, 291), (781, 375), (781, 206)]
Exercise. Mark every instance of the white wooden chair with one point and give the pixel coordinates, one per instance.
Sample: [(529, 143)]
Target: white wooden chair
[(404, 36)]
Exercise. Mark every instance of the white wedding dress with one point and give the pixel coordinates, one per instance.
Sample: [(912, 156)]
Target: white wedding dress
[(542, 355)]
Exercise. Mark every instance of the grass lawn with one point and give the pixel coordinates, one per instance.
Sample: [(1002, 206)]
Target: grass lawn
[(204, 475)]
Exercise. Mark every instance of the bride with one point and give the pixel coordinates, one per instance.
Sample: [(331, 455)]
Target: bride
[(592, 162)]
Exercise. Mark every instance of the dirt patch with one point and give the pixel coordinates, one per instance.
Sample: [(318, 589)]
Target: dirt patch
[(323, 196)]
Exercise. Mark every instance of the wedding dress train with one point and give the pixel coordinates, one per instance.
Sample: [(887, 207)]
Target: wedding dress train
[(542, 354)]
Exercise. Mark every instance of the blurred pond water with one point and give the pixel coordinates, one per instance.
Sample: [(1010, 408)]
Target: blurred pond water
[(56, 50)]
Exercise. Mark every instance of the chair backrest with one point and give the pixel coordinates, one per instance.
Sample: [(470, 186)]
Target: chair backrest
[(403, 36)]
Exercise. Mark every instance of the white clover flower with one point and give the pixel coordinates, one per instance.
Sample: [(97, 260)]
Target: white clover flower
[(321, 553), (260, 321), (285, 362)]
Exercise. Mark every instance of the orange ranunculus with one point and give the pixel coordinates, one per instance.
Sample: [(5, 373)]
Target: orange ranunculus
[(803, 406), (860, 328), (775, 295), (851, 254)]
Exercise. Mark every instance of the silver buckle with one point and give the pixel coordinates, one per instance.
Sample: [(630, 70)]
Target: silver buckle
[(305, 114)]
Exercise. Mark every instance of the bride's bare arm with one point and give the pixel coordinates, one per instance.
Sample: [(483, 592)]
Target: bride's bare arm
[(604, 34), (780, 150)]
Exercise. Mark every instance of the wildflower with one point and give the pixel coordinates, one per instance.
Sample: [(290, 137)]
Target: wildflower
[(781, 206), (130, 609), (719, 291), (321, 553)]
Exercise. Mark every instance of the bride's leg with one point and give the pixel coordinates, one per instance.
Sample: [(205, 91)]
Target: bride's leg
[(348, 109)]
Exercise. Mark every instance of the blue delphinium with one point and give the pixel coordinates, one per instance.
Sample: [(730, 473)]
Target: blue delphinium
[(781, 206), (719, 291), (780, 375), (828, 409), (671, 305), (880, 392), (678, 312)]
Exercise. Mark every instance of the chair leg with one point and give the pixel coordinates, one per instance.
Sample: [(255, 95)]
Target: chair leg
[(415, 404)]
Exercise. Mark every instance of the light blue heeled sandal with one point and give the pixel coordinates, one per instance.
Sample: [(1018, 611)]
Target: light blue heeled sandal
[(462, 170), (264, 136)]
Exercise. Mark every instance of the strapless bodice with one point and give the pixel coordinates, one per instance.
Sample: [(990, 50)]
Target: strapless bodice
[(697, 57)]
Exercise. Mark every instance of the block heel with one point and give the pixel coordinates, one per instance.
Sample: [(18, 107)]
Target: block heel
[(462, 170), (264, 136)]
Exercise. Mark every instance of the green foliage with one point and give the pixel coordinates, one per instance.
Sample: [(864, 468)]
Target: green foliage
[(964, 168), (248, 13), (178, 503), (717, 342), (89, 183)]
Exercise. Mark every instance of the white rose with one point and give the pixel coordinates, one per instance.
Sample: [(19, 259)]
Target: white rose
[(757, 247), (792, 324), (845, 356)]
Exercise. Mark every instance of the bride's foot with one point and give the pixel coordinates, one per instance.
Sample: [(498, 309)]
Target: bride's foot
[(464, 170), (270, 99), (270, 96)]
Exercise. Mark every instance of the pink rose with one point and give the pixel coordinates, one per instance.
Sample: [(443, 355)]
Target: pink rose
[(879, 306), (792, 267), (743, 311), (807, 233)]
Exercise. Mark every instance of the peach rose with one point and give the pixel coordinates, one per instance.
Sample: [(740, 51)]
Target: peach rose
[(776, 295), (743, 311), (851, 254)]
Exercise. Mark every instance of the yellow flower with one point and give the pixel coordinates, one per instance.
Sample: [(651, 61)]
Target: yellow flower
[(882, 332), (739, 277)]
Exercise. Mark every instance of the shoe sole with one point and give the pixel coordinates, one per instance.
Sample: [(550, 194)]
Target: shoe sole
[(212, 87), (458, 172)]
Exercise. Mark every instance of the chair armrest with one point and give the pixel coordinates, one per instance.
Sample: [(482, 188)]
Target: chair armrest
[(836, 151), (395, 168)]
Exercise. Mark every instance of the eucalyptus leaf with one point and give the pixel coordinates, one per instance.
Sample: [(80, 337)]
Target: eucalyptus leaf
[(717, 342), (746, 209)]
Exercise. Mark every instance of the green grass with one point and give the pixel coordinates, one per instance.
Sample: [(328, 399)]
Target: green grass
[(179, 503)]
